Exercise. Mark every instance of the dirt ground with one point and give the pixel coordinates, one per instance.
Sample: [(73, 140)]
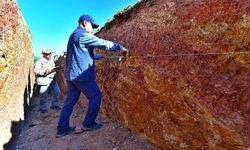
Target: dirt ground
[(39, 133)]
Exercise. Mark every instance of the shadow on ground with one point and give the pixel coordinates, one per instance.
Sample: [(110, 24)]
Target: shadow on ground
[(40, 129)]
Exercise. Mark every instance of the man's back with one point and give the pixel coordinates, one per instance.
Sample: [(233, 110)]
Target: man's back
[(78, 59)]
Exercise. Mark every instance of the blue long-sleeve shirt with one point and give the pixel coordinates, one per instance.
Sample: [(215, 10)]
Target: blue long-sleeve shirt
[(80, 54)]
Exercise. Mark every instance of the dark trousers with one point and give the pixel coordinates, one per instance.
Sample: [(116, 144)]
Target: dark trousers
[(74, 89)]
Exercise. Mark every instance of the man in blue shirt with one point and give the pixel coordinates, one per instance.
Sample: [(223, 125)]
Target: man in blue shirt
[(80, 74)]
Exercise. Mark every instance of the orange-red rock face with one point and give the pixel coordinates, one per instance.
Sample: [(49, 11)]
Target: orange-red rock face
[(16, 63), (185, 102)]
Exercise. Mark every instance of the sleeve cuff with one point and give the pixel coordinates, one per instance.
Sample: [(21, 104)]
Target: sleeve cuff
[(97, 56), (117, 47)]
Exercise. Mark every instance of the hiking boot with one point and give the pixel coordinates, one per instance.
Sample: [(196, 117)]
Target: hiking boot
[(66, 132), (95, 126), (43, 111), (55, 107), (92, 128)]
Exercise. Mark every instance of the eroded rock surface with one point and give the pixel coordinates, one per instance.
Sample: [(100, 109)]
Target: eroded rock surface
[(188, 102), (16, 63), (181, 102)]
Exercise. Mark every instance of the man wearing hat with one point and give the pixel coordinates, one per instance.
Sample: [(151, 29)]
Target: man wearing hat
[(80, 74), (45, 73)]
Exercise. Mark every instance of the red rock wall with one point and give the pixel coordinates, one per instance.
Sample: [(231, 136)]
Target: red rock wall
[(184, 102), (16, 63)]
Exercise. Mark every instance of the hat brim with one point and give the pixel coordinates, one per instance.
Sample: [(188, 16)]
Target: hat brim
[(95, 25), (47, 53)]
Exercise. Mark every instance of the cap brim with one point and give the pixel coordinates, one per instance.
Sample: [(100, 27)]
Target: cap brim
[(47, 53), (95, 25)]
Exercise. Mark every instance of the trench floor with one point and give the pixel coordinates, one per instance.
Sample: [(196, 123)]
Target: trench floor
[(39, 133)]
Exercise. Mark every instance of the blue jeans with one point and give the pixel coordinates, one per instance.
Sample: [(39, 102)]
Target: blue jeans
[(44, 89), (74, 88)]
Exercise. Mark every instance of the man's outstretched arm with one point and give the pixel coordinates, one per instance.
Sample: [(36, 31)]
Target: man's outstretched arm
[(90, 40)]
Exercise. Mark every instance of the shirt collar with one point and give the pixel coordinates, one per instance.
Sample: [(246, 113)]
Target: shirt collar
[(44, 60)]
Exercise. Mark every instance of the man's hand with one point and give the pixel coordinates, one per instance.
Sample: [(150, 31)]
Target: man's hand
[(125, 53), (47, 72)]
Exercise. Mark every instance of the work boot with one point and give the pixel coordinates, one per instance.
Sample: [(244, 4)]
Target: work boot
[(95, 126), (43, 111), (55, 107), (65, 132)]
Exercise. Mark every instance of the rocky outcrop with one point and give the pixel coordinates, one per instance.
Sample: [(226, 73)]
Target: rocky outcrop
[(184, 102), (16, 63), (187, 101)]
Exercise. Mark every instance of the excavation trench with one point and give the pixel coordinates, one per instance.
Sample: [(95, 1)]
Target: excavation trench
[(39, 132)]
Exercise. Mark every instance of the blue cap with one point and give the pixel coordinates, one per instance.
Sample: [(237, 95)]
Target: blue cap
[(88, 18)]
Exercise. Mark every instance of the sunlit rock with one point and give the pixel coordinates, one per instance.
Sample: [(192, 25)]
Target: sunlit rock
[(198, 101), (16, 67)]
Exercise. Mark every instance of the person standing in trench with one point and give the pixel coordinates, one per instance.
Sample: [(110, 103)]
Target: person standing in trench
[(80, 74), (46, 81)]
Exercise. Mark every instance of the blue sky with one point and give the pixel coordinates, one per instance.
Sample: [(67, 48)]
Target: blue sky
[(52, 21)]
